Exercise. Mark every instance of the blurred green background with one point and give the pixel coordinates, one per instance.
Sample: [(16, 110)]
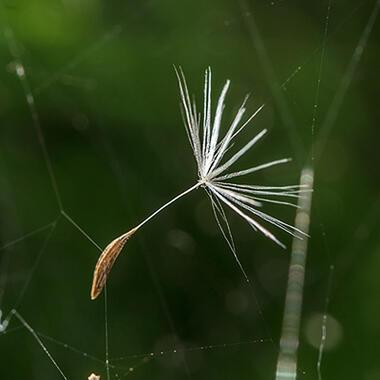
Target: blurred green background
[(106, 95)]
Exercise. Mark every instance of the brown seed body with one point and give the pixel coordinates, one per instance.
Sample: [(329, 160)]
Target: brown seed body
[(106, 261)]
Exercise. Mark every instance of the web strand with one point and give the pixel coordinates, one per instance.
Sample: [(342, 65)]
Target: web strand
[(28, 235), (39, 341), (82, 56), (85, 54), (337, 102), (106, 336), (326, 306), (80, 229), (165, 307), (28, 94), (5, 257), (300, 66), (320, 71), (36, 263), (21, 74), (10, 244), (267, 67), (324, 323)]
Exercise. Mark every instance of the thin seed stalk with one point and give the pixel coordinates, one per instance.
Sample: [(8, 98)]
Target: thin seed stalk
[(289, 342), (111, 252)]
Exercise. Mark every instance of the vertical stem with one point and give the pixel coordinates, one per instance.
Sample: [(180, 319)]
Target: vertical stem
[(287, 360)]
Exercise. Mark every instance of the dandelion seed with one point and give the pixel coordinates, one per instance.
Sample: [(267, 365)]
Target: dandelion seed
[(209, 150)]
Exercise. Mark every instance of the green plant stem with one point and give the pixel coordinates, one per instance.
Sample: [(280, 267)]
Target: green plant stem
[(287, 359)]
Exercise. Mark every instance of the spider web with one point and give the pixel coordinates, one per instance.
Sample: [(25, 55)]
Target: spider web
[(18, 298)]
